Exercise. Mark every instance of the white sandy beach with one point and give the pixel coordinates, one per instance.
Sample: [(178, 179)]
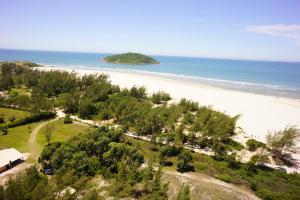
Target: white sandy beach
[(259, 113)]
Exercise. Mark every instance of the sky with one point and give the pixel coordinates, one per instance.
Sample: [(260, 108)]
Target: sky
[(233, 29)]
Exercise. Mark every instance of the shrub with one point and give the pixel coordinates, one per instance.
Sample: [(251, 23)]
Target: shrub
[(254, 144), (225, 177), (67, 119), (30, 119), (160, 97)]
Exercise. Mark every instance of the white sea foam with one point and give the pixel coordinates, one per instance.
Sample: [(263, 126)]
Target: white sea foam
[(261, 88)]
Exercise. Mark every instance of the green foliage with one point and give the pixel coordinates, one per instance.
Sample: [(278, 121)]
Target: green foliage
[(6, 78), (184, 161), (157, 190), (188, 105), (184, 193), (105, 152), (23, 187), (28, 119), (283, 143), (130, 58), (68, 120), (254, 144), (100, 150), (49, 129), (31, 64), (86, 109), (160, 97), (225, 177)]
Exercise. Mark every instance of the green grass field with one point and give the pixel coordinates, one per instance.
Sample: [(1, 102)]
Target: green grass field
[(62, 131), (9, 112), (17, 137), (20, 91)]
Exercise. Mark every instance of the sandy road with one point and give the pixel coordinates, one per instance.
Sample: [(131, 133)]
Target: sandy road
[(208, 179), (32, 144)]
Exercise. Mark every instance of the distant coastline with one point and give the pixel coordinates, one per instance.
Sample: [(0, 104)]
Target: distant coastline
[(268, 78)]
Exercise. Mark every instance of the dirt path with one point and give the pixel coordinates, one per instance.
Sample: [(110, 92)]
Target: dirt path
[(203, 178), (32, 144)]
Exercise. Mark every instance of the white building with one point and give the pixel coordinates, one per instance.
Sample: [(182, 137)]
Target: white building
[(9, 158)]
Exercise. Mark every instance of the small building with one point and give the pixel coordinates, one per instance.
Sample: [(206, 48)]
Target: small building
[(9, 158)]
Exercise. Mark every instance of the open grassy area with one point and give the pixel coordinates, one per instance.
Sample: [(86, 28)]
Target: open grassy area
[(20, 91), (62, 131), (9, 112), (17, 137)]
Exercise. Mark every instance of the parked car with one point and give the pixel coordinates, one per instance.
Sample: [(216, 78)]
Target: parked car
[(206, 149), (48, 171), (149, 136)]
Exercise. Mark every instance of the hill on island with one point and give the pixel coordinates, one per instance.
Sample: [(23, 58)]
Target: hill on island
[(130, 58)]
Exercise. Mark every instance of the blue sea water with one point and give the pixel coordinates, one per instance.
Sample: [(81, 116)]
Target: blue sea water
[(264, 77)]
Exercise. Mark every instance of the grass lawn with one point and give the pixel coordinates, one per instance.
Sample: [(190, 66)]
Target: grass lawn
[(20, 91), (9, 112), (62, 131), (17, 137)]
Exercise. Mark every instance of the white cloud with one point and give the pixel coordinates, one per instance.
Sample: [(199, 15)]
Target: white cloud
[(280, 30)]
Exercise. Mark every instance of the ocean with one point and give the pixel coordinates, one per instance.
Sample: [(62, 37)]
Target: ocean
[(280, 79)]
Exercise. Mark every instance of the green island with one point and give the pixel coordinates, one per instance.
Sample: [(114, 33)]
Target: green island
[(130, 58), (99, 141)]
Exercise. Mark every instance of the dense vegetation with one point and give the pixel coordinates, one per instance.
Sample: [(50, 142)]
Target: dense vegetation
[(76, 161), (170, 127), (130, 58)]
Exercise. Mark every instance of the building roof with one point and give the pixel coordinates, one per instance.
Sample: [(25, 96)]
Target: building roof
[(7, 155)]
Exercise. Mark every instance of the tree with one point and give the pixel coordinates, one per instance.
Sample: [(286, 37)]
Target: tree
[(184, 193), (49, 129), (283, 144), (158, 190), (86, 109), (184, 161), (41, 104), (6, 79)]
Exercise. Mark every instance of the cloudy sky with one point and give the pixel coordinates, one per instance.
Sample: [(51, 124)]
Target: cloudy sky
[(256, 29)]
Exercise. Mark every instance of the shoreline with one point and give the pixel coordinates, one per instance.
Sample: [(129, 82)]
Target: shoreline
[(259, 113)]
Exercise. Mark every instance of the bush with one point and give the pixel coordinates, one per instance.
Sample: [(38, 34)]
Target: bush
[(67, 120), (254, 144), (30, 119), (225, 177), (160, 97)]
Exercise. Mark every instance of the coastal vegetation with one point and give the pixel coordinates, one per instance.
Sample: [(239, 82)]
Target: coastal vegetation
[(130, 58), (130, 167)]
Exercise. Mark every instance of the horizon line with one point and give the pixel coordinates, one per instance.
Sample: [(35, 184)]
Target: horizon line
[(164, 55)]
